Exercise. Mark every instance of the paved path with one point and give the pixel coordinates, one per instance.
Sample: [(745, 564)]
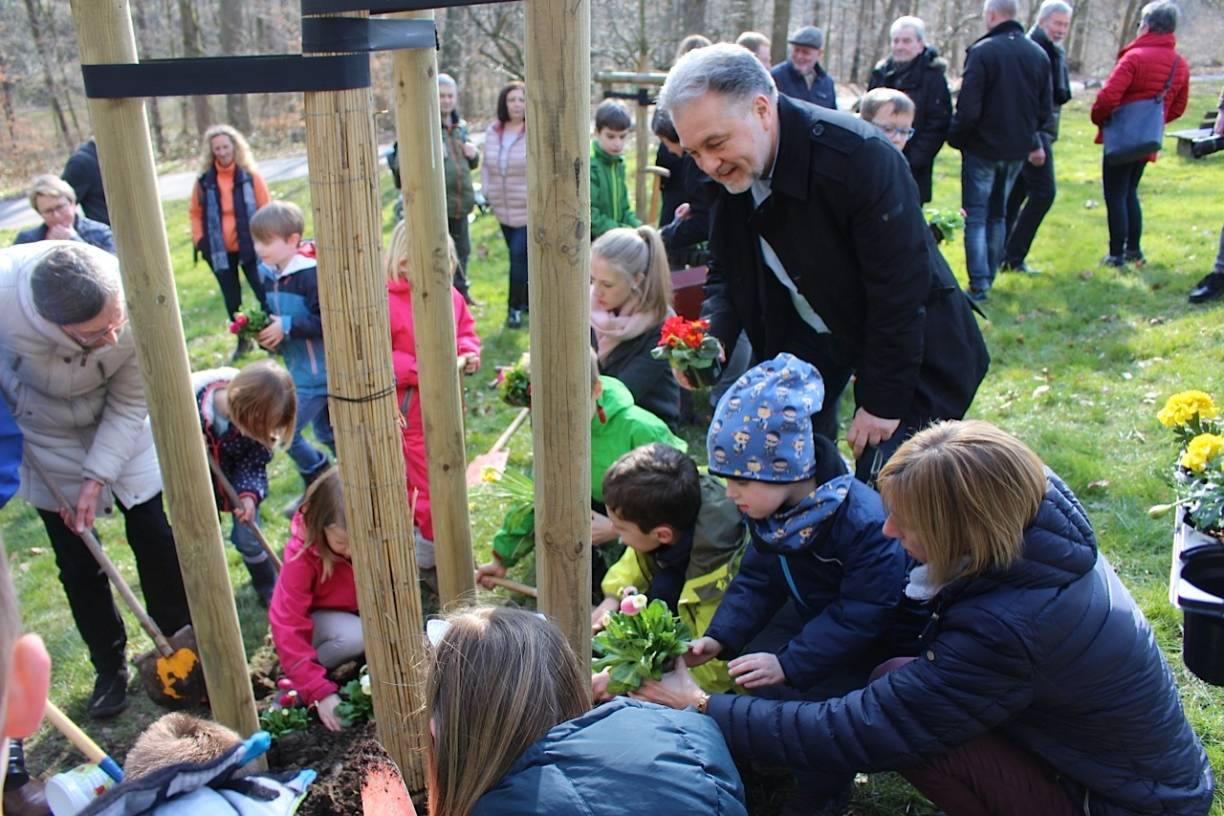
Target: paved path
[(15, 213)]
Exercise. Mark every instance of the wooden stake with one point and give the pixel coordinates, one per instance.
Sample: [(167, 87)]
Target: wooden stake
[(559, 248), (104, 31), (342, 152), (417, 124), (641, 118)]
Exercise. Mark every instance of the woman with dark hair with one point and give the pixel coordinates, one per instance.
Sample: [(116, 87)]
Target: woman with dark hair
[(503, 178), (1039, 687), (1148, 66), (226, 196)]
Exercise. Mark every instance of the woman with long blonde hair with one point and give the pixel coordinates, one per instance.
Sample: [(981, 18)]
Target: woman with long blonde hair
[(631, 296), (1038, 687), (227, 193), (513, 731)]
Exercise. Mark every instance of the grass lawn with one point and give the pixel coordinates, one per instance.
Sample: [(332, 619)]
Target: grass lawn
[(1082, 358)]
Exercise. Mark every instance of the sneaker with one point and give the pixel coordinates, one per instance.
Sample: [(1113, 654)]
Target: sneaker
[(244, 345), (514, 320), (109, 695), (1018, 266), (1114, 261), (1209, 288), (1134, 258)]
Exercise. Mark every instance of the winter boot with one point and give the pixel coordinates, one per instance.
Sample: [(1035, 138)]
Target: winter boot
[(263, 579)]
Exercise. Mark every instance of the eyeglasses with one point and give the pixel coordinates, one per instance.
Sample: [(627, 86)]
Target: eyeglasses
[(94, 337), (57, 209), (892, 130)]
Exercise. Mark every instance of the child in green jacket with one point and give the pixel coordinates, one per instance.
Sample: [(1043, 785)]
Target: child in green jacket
[(610, 207), (684, 541), (617, 427)]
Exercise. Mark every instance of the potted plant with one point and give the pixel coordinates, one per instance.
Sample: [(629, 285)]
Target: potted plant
[(690, 349), (640, 642), (514, 383)]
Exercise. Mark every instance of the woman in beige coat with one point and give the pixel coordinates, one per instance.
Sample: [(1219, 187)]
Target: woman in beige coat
[(68, 372)]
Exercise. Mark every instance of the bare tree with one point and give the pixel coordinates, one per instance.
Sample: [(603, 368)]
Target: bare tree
[(6, 96), (693, 16), (741, 15), (189, 23), (54, 90), (501, 27), (780, 30), (144, 37), (233, 28)]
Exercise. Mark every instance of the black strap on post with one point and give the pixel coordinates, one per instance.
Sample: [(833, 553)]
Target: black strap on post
[(280, 73), (358, 34), (384, 6)]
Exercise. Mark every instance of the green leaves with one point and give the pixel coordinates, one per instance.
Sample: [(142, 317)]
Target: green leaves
[(279, 721), (356, 705), (633, 648)]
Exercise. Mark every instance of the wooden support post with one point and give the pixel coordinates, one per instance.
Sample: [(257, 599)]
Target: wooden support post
[(417, 123), (342, 152), (559, 248), (104, 31), (641, 118)]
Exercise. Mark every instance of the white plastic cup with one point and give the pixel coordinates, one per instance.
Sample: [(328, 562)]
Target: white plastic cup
[(71, 792)]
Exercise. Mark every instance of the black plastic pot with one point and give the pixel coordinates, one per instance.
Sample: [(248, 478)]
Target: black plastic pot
[(1203, 639)]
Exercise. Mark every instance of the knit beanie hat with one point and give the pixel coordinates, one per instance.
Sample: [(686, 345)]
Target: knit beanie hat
[(762, 427)]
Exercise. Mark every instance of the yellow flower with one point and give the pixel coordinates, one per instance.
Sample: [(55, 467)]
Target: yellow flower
[(490, 475), (1201, 450), (1183, 407)]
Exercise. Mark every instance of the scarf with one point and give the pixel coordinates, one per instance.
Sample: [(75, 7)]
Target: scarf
[(791, 529), (613, 329)]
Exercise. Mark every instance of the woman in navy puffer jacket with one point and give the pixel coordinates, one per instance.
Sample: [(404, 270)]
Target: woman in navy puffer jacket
[(1039, 687), (514, 733)]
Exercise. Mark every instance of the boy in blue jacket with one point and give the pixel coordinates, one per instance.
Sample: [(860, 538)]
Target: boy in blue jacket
[(290, 277), (817, 539)]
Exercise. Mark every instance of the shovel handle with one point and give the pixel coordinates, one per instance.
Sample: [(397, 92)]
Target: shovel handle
[(231, 495), (81, 741), (513, 427), (108, 566), (513, 586)]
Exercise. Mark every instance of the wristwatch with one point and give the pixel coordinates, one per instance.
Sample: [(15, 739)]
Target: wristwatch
[(702, 703)]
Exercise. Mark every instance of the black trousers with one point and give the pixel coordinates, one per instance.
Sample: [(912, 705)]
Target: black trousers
[(89, 592), (1125, 216), (1031, 198), (231, 288)]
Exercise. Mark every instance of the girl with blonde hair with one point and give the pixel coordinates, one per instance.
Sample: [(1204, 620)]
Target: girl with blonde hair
[(1038, 688), (227, 194), (513, 731), (631, 296)]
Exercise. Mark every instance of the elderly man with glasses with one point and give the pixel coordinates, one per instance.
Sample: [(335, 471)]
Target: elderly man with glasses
[(68, 372), (56, 204)]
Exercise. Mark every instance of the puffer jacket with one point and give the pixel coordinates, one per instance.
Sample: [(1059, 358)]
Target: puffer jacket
[(456, 168), (622, 757), (1051, 653), (82, 410), (719, 538), (293, 296), (847, 581), (1143, 67), (503, 175)]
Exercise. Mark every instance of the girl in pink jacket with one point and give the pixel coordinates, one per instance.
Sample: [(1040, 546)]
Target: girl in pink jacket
[(403, 352), (313, 616)]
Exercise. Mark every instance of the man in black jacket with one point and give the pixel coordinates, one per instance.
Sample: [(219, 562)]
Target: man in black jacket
[(84, 175), (1034, 190), (1004, 99), (820, 249), (917, 70)]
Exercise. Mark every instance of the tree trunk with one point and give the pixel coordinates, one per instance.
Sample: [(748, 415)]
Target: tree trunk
[(450, 60), (882, 39), (741, 16), (864, 23), (1077, 37), (233, 27), (780, 31), (692, 14), (190, 25), (53, 87), (6, 97), (143, 41), (1130, 23)]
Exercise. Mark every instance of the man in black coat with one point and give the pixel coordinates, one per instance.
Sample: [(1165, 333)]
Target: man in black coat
[(1033, 193), (84, 175), (917, 70), (820, 249), (1004, 99), (801, 76)]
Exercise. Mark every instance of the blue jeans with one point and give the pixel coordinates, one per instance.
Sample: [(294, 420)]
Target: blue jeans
[(245, 542), (985, 186), (311, 408), (516, 244)]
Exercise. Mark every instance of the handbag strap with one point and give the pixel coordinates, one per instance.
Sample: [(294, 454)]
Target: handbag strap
[(1172, 73)]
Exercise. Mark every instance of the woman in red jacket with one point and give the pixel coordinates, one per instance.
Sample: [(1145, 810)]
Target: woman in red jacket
[(1144, 65)]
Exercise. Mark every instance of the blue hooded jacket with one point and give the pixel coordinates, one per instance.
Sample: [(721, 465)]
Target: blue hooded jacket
[(622, 757), (10, 454), (1051, 653), (293, 295)]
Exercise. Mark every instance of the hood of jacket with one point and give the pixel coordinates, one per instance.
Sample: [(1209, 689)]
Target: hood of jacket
[(615, 399), (304, 259), (719, 532), (909, 74), (623, 756)]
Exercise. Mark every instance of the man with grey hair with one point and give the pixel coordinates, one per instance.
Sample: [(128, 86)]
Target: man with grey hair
[(459, 157), (1033, 193), (801, 76), (1004, 99), (68, 371), (821, 250), (917, 70)]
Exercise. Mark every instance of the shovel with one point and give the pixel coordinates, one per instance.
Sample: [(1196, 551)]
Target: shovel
[(231, 495), (498, 454), (172, 675), (514, 586), (73, 733)]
